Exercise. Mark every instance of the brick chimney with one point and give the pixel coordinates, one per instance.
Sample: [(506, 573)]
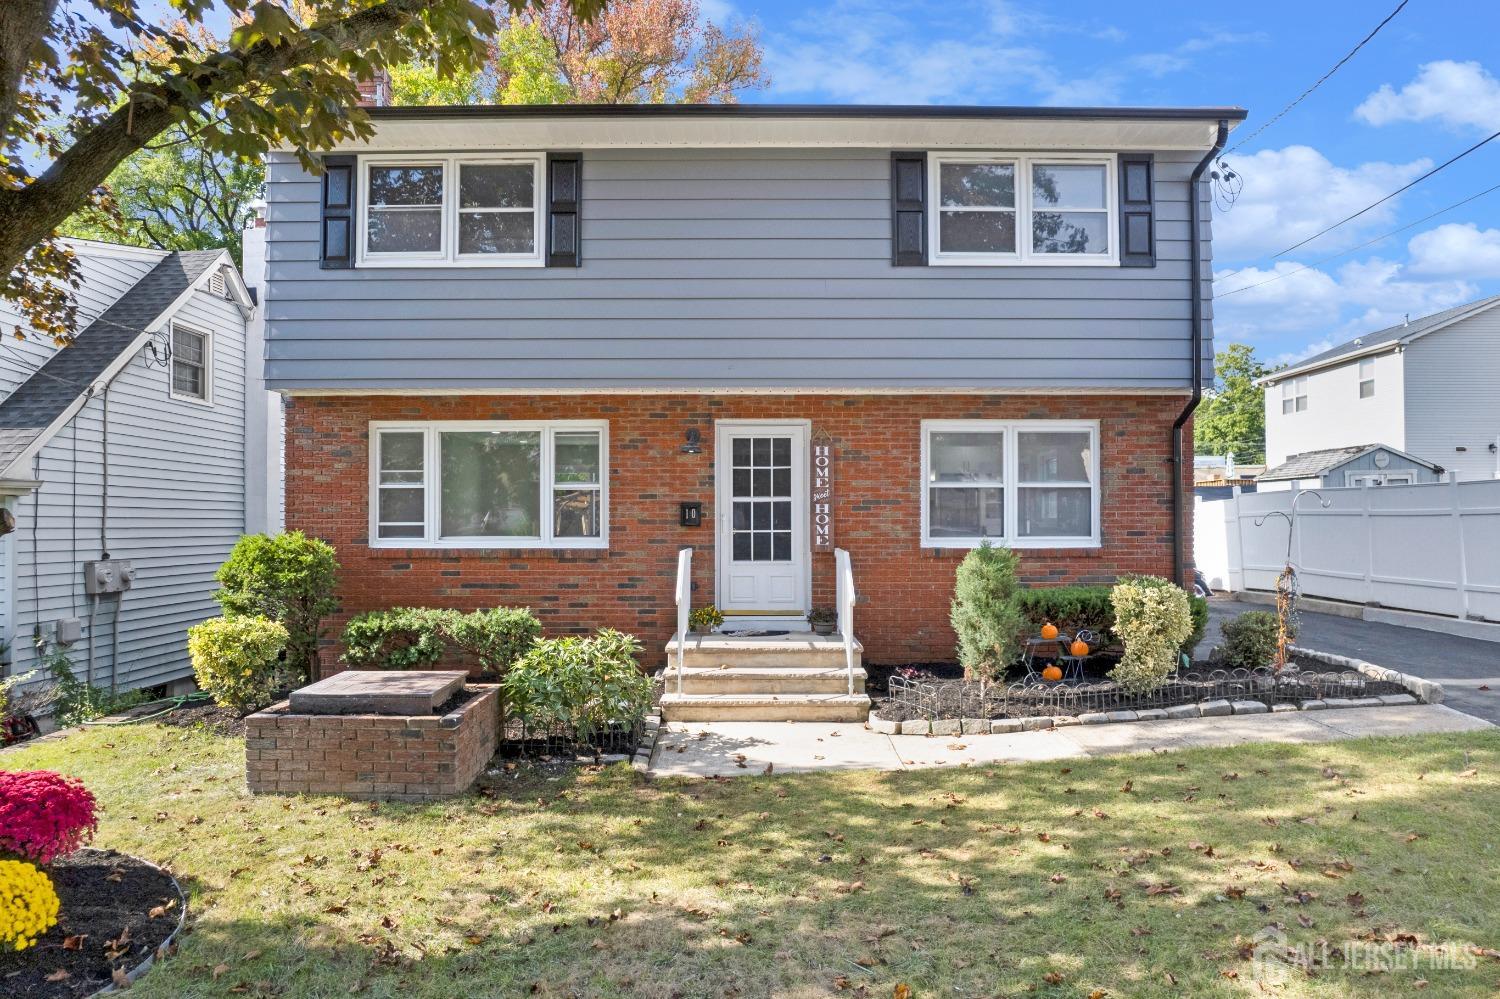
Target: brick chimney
[(376, 91)]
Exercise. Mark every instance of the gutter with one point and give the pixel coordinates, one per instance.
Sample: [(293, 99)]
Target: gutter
[(740, 111), (1179, 551)]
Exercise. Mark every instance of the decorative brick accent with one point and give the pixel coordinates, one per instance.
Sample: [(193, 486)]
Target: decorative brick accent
[(905, 590), (397, 757)]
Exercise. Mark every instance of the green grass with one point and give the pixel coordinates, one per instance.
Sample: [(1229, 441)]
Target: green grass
[(992, 881)]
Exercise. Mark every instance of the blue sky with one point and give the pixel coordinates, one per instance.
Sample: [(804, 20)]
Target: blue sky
[(1427, 87)]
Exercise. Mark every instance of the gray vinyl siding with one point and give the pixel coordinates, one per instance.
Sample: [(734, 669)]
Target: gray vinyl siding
[(176, 507), (727, 268), (1337, 477), (1453, 396)]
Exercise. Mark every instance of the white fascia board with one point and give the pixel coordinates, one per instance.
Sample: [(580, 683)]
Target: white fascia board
[(1056, 134)]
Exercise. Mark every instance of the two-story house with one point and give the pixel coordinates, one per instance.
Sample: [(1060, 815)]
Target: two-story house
[(530, 353), (124, 463), (1400, 405)]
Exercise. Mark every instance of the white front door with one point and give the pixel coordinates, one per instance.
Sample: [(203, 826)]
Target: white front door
[(761, 507)]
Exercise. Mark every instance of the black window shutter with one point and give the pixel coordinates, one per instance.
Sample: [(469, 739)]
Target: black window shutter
[(564, 191), (908, 209), (1137, 225), (337, 250)]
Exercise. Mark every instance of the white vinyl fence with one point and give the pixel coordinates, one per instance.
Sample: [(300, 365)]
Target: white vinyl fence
[(1433, 548)]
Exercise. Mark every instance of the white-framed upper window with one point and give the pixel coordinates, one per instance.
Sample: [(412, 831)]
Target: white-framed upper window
[(1022, 483), (1366, 377), (1022, 209), (191, 370), (466, 484), (459, 211), (1294, 395)]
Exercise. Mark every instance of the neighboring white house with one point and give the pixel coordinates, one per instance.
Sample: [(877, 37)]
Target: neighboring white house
[(1429, 387), (129, 445)]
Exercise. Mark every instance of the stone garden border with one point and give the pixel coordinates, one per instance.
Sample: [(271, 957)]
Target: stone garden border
[(1420, 692)]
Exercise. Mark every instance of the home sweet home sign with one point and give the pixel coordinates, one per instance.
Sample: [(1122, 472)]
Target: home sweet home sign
[(822, 491)]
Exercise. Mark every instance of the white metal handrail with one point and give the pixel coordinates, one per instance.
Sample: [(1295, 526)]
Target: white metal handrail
[(845, 596), (684, 605)]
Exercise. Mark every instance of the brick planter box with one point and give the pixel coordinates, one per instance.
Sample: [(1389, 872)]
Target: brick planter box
[(395, 757)]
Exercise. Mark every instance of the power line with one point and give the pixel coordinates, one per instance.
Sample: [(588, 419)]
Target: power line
[(1321, 80), (1352, 249), (1404, 187)]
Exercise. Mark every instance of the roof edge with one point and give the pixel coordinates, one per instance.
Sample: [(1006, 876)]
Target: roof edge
[(400, 112)]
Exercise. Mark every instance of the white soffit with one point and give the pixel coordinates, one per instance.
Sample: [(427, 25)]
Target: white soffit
[(476, 132)]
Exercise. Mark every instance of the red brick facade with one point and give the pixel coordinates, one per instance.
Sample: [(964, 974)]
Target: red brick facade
[(904, 589)]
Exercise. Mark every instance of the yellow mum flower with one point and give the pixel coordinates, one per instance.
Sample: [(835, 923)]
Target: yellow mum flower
[(28, 904)]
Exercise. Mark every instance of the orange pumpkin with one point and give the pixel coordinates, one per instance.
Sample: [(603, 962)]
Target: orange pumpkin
[(1079, 648), (1049, 631), (1052, 673)]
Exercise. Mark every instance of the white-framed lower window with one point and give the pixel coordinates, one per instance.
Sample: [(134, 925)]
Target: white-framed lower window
[(457, 211), (1023, 483), (510, 484), (1366, 377), (1015, 208), (190, 377)]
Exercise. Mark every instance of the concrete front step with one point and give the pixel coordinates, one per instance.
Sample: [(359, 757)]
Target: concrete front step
[(771, 680), (765, 707), (795, 650)]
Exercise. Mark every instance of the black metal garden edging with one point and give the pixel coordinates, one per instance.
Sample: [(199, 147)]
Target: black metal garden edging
[(948, 699), (165, 947)]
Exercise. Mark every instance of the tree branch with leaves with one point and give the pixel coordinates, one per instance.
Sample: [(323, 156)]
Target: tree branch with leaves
[(84, 84)]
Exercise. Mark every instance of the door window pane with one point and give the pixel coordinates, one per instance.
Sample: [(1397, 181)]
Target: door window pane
[(761, 480), (491, 484), (966, 457), (966, 513)]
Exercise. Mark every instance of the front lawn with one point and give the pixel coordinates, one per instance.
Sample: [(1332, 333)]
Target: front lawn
[(1139, 876)]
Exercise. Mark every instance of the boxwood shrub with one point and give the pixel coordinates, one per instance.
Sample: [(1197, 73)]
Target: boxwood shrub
[(419, 637)]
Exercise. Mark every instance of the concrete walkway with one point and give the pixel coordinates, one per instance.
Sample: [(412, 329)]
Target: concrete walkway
[(1464, 666), (730, 749)]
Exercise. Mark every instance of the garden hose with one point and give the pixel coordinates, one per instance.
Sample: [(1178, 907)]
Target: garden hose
[(172, 704)]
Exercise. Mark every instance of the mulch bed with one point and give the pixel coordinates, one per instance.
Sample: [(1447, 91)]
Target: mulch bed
[(106, 925), (953, 697), (220, 721)]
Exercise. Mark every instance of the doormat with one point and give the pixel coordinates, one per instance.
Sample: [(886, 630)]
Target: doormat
[(752, 633)]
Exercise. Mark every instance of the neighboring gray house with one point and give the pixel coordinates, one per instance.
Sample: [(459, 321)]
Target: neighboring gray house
[(129, 444), (1360, 465), (1429, 387), (531, 353)]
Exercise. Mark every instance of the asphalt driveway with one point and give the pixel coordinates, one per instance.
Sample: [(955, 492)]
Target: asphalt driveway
[(1468, 669)]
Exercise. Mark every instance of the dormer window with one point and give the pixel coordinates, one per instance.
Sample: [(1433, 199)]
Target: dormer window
[(455, 211)]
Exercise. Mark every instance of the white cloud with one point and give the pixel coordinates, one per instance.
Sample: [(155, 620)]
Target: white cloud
[(1458, 94), (1456, 250), (1292, 193), (1359, 297)]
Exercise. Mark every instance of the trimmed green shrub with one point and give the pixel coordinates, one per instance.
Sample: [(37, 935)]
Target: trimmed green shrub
[(1249, 640), (399, 638), (289, 578), (581, 684), (1152, 618), (984, 613), (1071, 608), (496, 637), (236, 660), (418, 637), (1198, 608)]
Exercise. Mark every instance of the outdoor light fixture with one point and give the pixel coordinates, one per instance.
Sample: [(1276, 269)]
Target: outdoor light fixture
[(694, 443)]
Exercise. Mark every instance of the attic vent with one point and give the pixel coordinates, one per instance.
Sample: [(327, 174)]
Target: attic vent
[(216, 285)]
